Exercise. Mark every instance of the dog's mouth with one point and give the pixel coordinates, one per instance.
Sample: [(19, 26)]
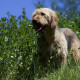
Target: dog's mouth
[(38, 27)]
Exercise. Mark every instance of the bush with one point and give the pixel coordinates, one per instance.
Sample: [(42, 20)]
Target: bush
[(17, 47)]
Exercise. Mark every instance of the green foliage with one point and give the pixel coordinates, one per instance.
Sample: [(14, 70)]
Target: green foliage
[(18, 50), (39, 5), (17, 47)]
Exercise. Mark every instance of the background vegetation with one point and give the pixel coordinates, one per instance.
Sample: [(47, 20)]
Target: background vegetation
[(18, 49)]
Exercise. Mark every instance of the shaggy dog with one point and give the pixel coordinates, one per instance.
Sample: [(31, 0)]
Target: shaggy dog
[(53, 40)]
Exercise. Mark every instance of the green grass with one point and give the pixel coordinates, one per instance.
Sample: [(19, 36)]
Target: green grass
[(67, 73)]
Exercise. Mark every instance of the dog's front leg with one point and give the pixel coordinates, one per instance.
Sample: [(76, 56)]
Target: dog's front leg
[(45, 59)]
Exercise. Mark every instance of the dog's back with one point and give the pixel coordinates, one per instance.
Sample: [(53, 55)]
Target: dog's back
[(72, 40)]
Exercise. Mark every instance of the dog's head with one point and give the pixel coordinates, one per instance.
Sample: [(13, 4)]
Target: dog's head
[(43, 18)]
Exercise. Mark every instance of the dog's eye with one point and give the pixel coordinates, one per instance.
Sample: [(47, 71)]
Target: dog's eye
[(34, 15), (42, 14)]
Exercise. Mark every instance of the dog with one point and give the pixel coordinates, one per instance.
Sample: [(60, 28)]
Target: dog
[(53, 40)]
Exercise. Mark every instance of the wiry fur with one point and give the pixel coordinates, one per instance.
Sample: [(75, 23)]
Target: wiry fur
[(53, 40)]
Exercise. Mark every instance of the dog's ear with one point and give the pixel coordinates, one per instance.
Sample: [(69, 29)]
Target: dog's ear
[(54, 20)]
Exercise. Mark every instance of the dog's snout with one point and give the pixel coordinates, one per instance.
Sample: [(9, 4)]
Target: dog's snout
[(34, 20)]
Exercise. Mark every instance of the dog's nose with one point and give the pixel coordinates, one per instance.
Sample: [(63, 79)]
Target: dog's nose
[(34, 20)]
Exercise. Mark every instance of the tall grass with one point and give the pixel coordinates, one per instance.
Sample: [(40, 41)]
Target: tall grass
[(72, 73)]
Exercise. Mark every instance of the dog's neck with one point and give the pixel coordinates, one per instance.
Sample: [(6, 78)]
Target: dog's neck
[(51, 33)]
